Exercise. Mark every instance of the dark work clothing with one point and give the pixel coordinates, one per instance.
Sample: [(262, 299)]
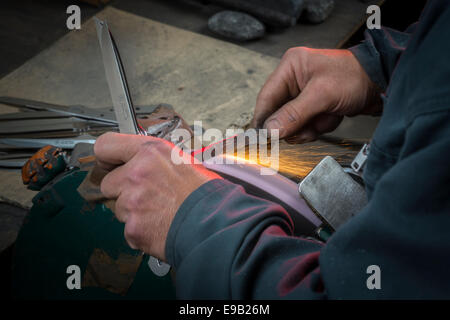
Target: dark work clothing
[(226, 244)]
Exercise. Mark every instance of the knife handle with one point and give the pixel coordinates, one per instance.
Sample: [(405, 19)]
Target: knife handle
[(89, 189)]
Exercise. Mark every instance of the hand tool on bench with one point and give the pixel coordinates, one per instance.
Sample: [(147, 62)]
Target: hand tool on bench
[(43, 166), (14, 160), (75, 111), (64, 143)]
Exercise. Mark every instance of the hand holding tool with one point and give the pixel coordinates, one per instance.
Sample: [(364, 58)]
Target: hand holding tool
[(125, 116)]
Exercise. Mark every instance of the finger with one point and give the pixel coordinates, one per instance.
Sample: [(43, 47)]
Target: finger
[(147, 163), (131, 232), (112, 183), (278, 89), (112, 149), (121, 210), (296, 114), (304, 136), (325, 123)]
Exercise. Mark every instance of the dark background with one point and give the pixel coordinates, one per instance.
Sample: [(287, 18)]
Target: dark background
[(29, 26)]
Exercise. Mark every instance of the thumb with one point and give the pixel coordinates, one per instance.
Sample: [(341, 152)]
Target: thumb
[(296, 114)]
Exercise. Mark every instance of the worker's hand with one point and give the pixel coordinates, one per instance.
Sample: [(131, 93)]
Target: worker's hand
[(310, 92), (147, 186)]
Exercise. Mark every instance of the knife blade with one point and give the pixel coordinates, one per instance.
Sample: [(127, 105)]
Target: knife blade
[(115, 76)]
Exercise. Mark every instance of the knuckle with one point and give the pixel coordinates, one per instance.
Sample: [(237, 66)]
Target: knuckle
[(327, 87), (129, 204), (136, 174), (162, 145), (329, 91), (290, 112), (99, 145), (291, 52), (133, 202), (156, 146), (107, 185), (295, 53), (149, 147), (101, 142), (132, 232), (120, 211), (104, 189)]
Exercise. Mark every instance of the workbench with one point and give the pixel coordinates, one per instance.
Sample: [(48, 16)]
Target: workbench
[(203, 78)]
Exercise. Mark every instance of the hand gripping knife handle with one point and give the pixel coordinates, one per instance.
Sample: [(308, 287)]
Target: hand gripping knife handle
[(126, 118)]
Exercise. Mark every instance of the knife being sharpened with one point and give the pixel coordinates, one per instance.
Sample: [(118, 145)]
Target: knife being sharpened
[(117, 82), (123, 109)]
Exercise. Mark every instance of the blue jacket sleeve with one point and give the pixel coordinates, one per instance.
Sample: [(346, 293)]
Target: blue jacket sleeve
[(226, 244), (379, 52), (404, 228)]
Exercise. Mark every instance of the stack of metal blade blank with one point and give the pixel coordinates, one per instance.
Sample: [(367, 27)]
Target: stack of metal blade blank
[(39, 124)]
